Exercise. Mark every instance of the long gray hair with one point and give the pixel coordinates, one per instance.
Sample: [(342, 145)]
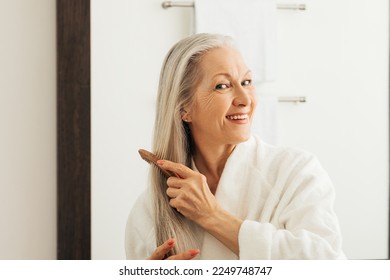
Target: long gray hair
[(172, 136)]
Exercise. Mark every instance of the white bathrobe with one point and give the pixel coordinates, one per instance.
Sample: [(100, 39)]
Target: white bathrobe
[(284, 197)]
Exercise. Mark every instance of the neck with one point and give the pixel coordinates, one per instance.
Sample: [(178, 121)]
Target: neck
[(210, 160)]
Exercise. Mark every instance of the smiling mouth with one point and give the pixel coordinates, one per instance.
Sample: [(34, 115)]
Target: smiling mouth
[(238, 117)]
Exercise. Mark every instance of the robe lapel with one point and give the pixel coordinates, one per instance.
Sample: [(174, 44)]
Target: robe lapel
[(229, 197)]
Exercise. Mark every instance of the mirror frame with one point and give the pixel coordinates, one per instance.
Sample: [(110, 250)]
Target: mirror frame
[(74, 130)]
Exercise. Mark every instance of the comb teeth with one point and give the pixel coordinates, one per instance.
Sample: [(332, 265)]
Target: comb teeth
[(152, 159)]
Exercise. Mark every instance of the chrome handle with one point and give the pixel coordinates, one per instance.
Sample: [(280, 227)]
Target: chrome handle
[(170, 4), (296, 99)]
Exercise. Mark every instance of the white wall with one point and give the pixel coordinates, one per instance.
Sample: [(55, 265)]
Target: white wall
[(27, 130), (337, 55), (335, 47)]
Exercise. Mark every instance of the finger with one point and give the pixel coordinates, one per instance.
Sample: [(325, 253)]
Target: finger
[(187, 255), (174, 204), (162, 250), (173, 192), (181, 170), (175, 182)]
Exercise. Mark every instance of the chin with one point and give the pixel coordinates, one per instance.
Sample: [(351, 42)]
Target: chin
[(243, 137)]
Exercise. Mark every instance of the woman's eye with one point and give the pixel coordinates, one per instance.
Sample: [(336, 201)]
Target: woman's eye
[(221, 86), (246, 83)]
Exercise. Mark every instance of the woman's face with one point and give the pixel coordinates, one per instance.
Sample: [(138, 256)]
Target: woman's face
[(224, 99)]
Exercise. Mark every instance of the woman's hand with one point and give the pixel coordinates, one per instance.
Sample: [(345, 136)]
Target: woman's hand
[(162, 250), (190, 193), (191, 196)]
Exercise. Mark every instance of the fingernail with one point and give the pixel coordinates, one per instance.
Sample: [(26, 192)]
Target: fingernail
[(171, 242), (160, 162), (194, 252)]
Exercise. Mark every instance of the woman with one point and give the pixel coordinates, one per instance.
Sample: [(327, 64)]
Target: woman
[(234, 196)]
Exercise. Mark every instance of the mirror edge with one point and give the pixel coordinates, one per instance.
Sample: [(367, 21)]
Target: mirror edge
[(73, 130)]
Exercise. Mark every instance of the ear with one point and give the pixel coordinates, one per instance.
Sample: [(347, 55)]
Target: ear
[(185, 116)]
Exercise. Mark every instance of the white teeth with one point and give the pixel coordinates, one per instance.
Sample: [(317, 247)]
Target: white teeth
[(238, 117)]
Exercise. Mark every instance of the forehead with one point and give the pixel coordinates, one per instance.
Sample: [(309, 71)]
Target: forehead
[(222, 60)]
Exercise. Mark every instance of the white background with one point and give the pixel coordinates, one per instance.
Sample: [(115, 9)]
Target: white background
[(293, 270)]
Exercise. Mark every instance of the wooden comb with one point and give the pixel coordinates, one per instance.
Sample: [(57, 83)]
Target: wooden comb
[(152, 159)]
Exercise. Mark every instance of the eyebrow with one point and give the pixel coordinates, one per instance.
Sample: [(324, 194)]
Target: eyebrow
[(228, 75)]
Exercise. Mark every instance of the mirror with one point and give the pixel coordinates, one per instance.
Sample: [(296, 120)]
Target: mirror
[(328, 53)]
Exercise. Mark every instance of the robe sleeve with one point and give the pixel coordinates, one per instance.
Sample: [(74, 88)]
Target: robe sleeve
[(139, 237), (305, 226)]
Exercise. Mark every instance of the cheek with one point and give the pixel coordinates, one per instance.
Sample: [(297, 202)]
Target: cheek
[(210, 110), (205, 103)]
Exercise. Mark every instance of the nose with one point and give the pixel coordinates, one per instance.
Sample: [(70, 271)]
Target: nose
[(242, 96)]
